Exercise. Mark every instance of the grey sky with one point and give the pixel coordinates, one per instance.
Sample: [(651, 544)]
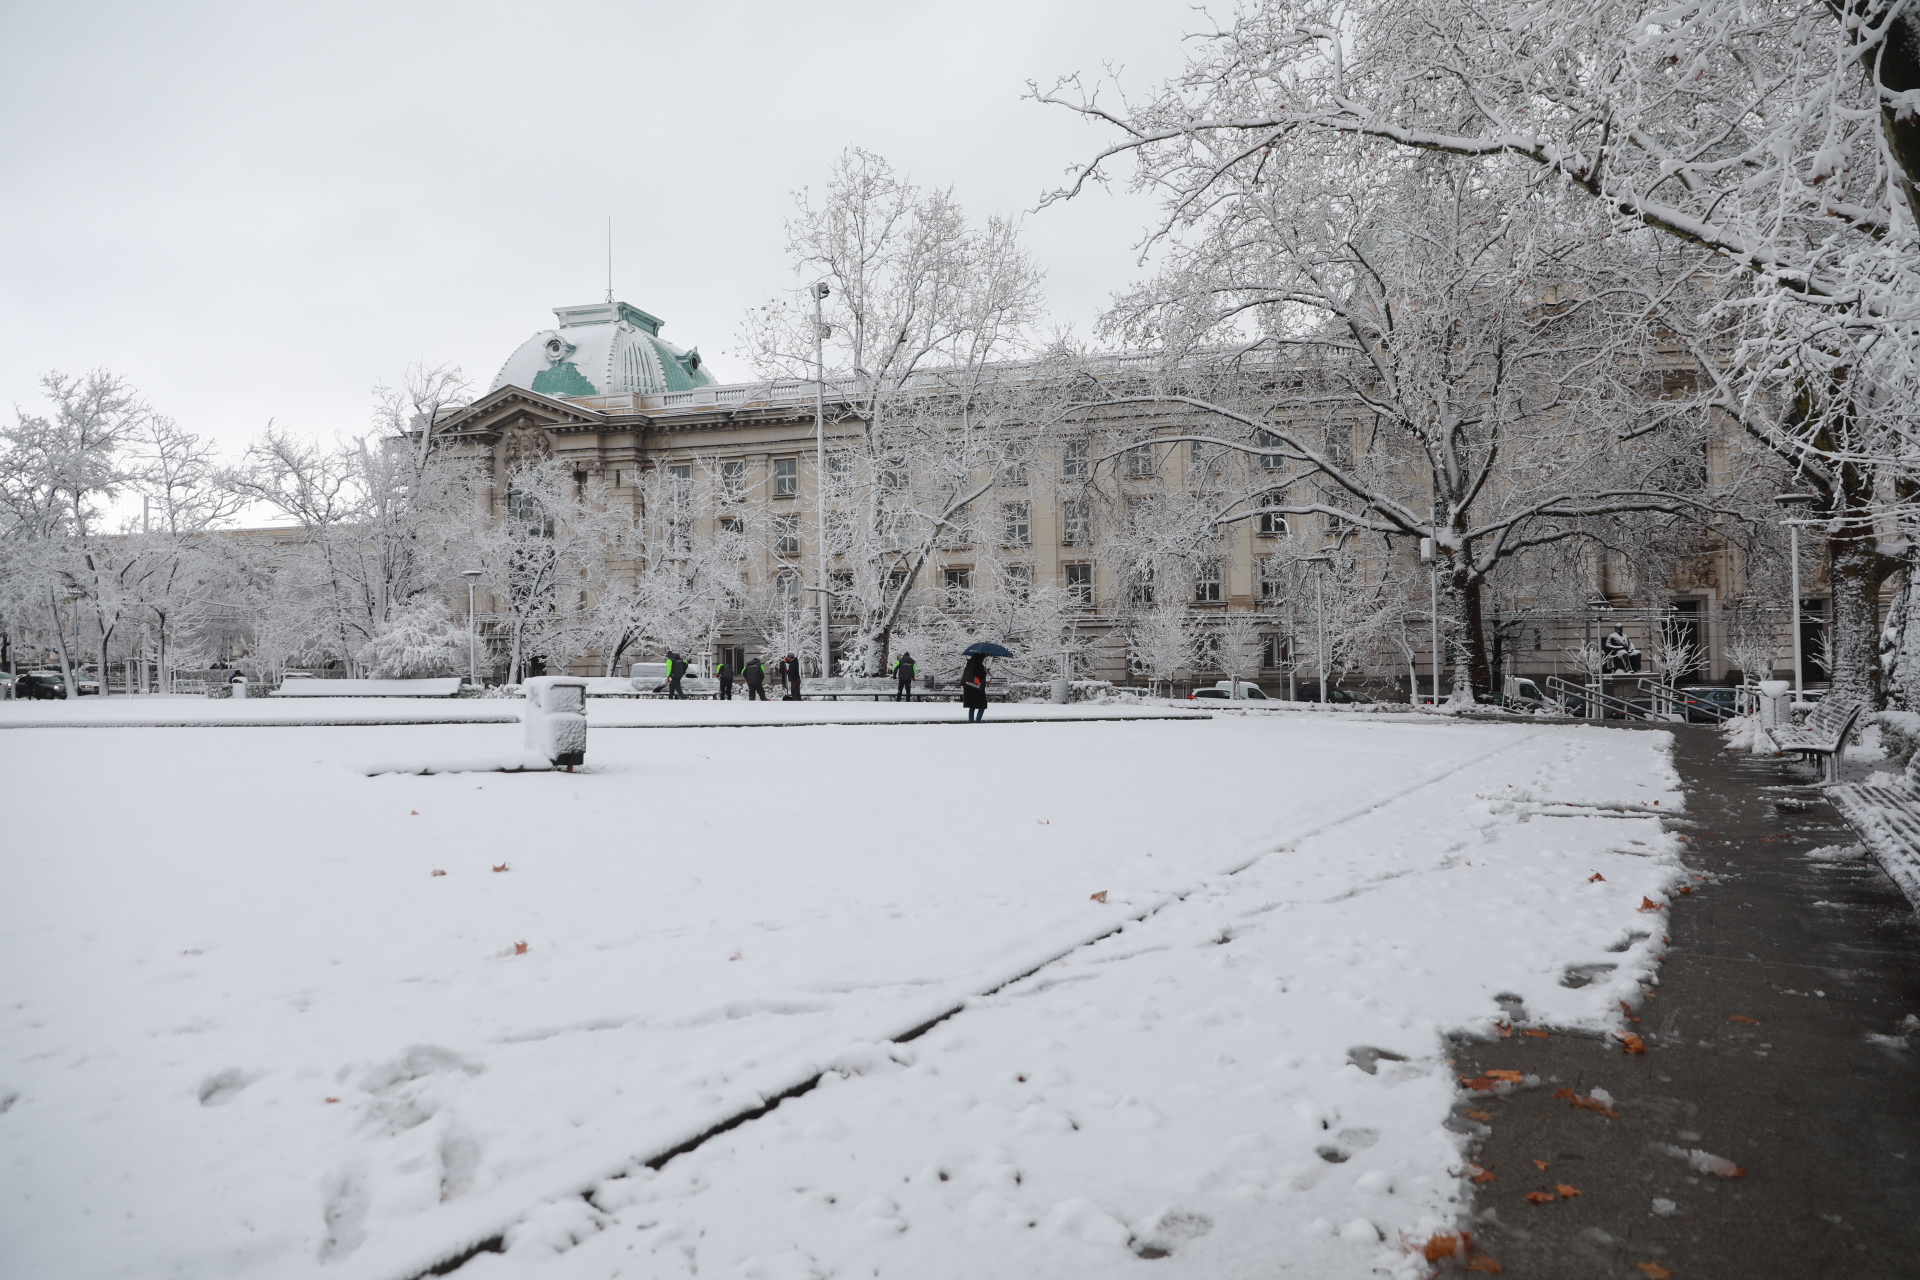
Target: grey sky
[(257, 210)]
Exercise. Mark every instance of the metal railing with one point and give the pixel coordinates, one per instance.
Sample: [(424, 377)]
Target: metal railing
[(1590, 699)]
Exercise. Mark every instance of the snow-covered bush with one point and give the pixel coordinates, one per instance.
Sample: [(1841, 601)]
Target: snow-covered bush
[(420, 640)]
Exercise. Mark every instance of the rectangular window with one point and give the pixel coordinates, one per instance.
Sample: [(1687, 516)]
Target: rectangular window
[(1018, 580), (958, 530), (1270, 461), (786, 535), (839, 533), (786, 477), (679, 536), (1018, 518), (1080, 585), (682, 474), (1140, 585), (1073, 522), (1078, 464), (733, 477), (787, 582), (899, 531), (896, 581), (1206, 583), (842, 585), (1272, 580), (1339, 447), (1013, 471), (959, 588), (840, 466), (1272, 524), (1205, 465), (1273, 652), (733, 537), (1141, 464), (894, 474)]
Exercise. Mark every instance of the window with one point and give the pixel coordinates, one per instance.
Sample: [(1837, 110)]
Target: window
[(1141, 463), (1018, 518), (840, 466), (525, 509), (786, 535), (958, 530), (1206, 582), (894, 474), (839, 533), (733, 478), (1014, 469), (1073, 522), (1270, 461), (1273, 652), (679, 536), (733, 536), (1205, 465), (1272, 523), (1339, 447), (1140, 585), (787, 583), (896, 581), (959, 588), (1272, 580), (899, 532), (682, 474), (1080, 585), (786, 477), (1018, 581), (842, 586), (1079, 460)]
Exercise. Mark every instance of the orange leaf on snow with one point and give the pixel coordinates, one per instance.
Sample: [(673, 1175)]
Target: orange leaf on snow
[(1541, 1197), (330, 1099), (504, 867), (1648, 904), (1741, 1017), (1631, 1042), (1479, 1115), (1595, 878), (1100, 896), (1628, 1010), (1655, 1271), (1505, 1029), (1686, 888), (1481, 1262), (414, 813), (437, 873), (1566, 1192), (519, 948), (1441, 1246)]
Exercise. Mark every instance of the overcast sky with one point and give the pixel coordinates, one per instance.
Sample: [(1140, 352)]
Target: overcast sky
[(255, 211)]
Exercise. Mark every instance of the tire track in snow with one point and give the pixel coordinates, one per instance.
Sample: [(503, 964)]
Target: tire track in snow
[(456, 1256)]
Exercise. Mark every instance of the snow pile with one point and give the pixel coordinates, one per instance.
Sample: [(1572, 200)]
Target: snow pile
[(348, 1027), (1743, 733), (443, 687)]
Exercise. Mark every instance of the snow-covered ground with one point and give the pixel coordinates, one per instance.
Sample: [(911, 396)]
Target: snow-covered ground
[(249, 1031)]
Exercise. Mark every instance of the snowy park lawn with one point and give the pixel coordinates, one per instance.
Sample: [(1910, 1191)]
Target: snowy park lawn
[(249, 1030)]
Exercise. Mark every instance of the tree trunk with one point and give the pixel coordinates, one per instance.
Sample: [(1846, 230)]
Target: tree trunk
[(1900, 649), (1856, 570)]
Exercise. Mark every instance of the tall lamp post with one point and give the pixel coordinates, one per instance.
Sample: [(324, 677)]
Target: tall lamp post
[(473, 666), (820, 332), (1790, 503), (1319, 563)]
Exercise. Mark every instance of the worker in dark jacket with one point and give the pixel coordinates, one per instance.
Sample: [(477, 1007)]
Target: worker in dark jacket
[(676, 671), (725, 673), (756, 680), (903, 672), (790, 672), (973, 688)]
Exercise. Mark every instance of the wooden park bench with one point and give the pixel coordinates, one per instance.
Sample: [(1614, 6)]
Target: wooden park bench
[(1823, 735), (1887, 816)]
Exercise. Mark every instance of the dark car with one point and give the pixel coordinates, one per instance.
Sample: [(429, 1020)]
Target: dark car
[(1708, 704), (1310, 692), (39, 684)]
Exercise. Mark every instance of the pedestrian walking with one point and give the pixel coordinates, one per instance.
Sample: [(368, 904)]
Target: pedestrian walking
[(725, 672), (903, 672), (790, 672), (676, 671), (756, 680), (973, 688)]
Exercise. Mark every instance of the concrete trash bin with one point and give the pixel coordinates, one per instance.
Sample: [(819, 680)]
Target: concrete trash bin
[(554, 719), (1776, 704)]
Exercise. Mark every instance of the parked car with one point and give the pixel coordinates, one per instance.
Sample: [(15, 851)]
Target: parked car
[(1521, 694), (42, 685), (1718, 698), (1309, 691), (1233, 691)]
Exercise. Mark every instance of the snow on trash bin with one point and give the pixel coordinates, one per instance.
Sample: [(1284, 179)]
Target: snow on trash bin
[(555, 719)]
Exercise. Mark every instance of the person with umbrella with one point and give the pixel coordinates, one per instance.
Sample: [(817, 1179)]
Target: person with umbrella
[(973, 681)]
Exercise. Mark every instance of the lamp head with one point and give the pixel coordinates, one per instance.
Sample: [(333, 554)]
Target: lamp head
[(1797, 501), (471, 573)]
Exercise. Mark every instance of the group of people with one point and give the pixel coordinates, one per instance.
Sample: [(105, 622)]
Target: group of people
[(973, 681)]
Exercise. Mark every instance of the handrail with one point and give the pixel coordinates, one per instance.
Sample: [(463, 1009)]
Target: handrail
[(1666, 693), (1593, 697)]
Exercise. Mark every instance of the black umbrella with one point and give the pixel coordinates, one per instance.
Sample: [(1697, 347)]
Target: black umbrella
[(988, 650)]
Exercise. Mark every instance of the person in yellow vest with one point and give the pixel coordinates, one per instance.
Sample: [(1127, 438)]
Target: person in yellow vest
[(903, 673), (676, 671)]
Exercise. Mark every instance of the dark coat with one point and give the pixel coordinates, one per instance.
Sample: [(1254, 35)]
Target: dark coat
[(973, 683), (754, 672)]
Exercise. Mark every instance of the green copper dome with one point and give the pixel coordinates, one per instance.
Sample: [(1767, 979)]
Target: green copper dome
[(602, 349)]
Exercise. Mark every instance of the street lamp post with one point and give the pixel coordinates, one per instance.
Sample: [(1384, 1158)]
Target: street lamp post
[(1319, 563), (473, 667), (820, 331), (1796, 502)]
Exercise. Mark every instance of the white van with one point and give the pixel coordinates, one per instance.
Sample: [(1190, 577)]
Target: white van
[(1233, 691)]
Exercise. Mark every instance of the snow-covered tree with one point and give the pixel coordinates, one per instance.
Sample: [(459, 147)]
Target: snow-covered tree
[(420, 639)]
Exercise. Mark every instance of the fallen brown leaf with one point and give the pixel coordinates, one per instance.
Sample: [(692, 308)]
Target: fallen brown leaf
[(504, 867), (1511, 1077), (1479, 1115), (1479, 1084), (1100, 896), (1595, 878), (437, 873), (415, 813), (1540, 1164), (1655, 1271), (1628, 1010), (1648, 904), (331, 1099), (1631, 1042), (1481, 1177), (1686, 889), (1594, 1104), (1535, 1032), (1566, 1192), (1481, 1262), (1505, 1029), (1741, 1017), (519, 948), (1541, 1197), (1441, 1246)]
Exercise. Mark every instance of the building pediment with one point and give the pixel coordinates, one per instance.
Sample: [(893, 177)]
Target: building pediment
[(509, 407)]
